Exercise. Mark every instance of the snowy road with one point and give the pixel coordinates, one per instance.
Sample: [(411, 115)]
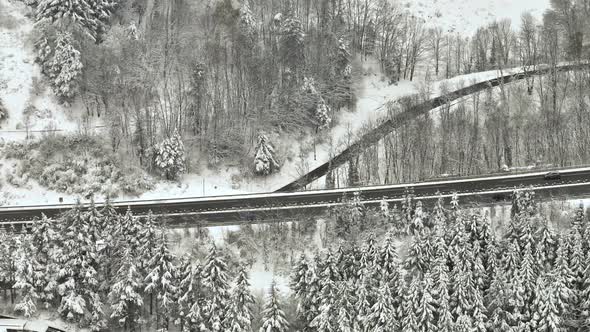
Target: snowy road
[(238, 209)]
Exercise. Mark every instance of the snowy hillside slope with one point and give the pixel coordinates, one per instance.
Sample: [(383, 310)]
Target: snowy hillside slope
[(18, 74), (21, 82), (465, 16)]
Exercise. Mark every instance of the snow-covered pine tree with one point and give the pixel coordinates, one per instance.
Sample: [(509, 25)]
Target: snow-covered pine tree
[(480, 277), (547, 316), (346, 262), (577, 257), (70, 260), (329, 278), (265, 161), (528, 274), (162, 282), (169, 156), (273, 317), (418, 220), (189, 296), (382, 316), (322, 114), (43, 241), (239, 310), (465, 295), (496, 302), (411, 304), (91, 15), (426, 310), (303, 281), (89, 274), (511, 259), (28, 275), (346, 299), (126, 294), (440, 292), (326, 319), (216, 290), (65, 67), (420, 253), (388, 260), (184, 291), (148, 242), (562, 280), (364, 302)]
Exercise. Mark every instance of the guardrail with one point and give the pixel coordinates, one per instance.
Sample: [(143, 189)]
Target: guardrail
[(236, 209)]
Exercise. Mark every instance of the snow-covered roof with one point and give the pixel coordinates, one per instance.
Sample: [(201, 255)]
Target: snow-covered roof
[(22, 325)]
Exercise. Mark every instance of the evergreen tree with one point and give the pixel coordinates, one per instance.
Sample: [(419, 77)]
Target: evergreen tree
[(363, 304), (190, 298), (322, 114), (440, 293), (546, 310), (546, 246), (273, 317), (265, 161), (65, 67), (185, 293), (561, 283), (239, 313), (91, 15), (169, 156), (43, 241), (528, 274), (216, 290), (411, 307), (382, 316), (161, 282), (345, 304), (300, 284), (388, 260), (426, 311), (28, 275), (420, 254), (126, 295)]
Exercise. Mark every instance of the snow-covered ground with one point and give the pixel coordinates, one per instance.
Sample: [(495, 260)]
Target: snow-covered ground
[(465, 16), (18, 73), (21, 82)]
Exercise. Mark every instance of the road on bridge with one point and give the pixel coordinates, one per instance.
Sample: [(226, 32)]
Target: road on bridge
[(255, 208)]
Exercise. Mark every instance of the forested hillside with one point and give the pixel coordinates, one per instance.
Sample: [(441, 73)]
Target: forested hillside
[(179, 86)]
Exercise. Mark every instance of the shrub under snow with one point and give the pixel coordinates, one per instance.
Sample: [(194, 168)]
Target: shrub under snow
[(74, 165)]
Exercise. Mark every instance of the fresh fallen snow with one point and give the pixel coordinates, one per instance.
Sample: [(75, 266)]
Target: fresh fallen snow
[(465, 16), (18, 71)]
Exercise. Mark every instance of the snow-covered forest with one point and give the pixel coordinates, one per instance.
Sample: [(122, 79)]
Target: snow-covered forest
[(110, 105), (398, 268), (238, 96)]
